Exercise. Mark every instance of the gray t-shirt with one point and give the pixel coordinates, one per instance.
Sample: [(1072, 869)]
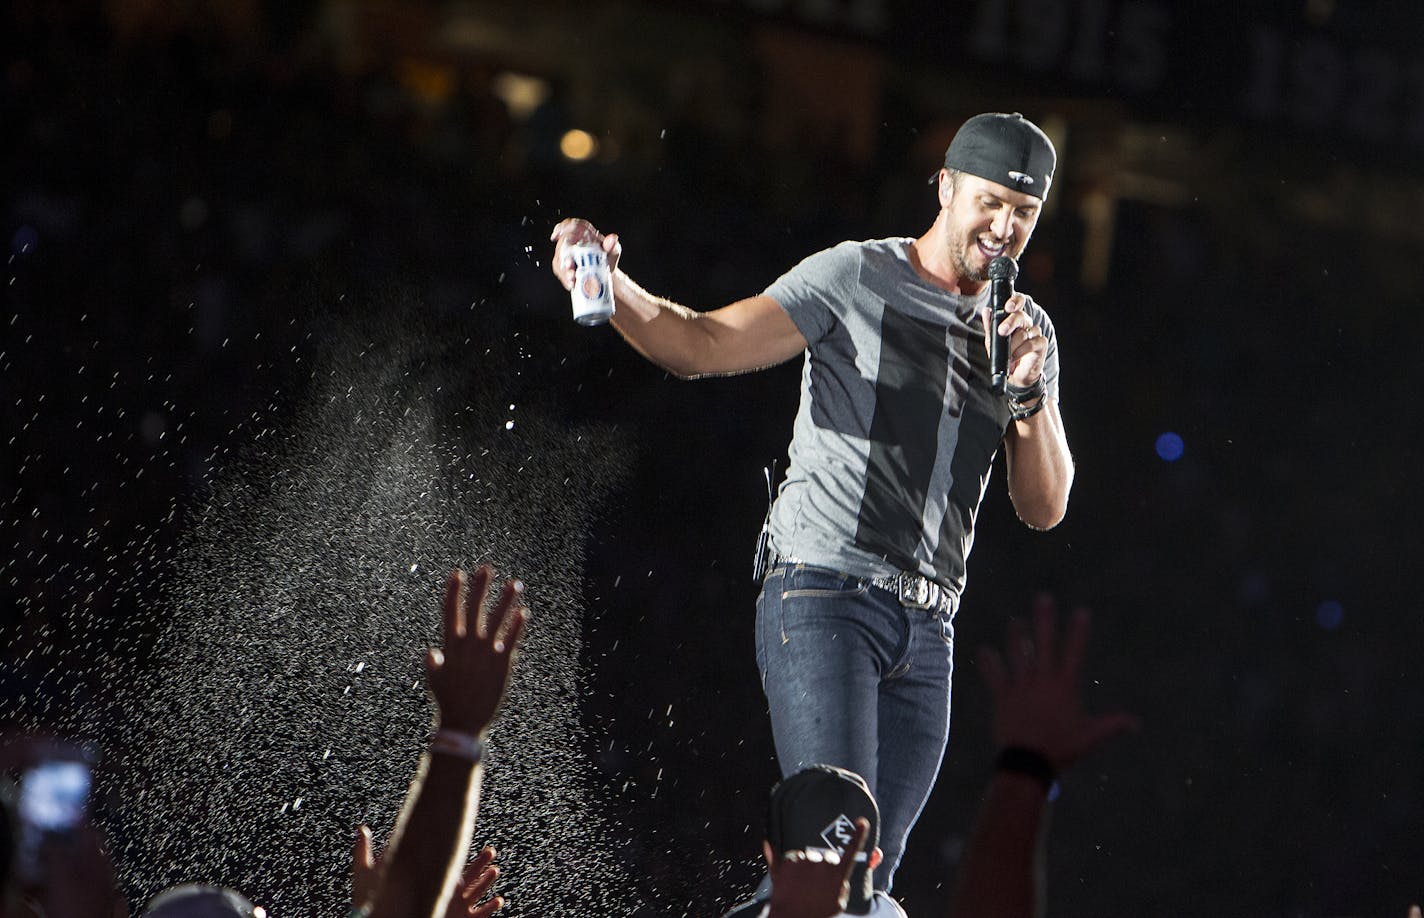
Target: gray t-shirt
[(897, 428)]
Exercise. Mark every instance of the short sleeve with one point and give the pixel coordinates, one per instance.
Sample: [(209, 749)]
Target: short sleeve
[(816, 293), (1050, 357)]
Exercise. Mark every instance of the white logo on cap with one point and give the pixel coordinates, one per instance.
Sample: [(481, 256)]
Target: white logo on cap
[(1021, 177), (839, 833)]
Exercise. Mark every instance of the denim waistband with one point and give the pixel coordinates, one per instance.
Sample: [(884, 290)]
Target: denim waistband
[(912, 591)]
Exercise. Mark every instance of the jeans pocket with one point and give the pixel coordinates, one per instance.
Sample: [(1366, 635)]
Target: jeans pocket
[(810, 582), (768, 616)]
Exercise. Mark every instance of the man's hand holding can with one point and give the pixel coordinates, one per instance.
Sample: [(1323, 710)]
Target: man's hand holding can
[(584, 262)]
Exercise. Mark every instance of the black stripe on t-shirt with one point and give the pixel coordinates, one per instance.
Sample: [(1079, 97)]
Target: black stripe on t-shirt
[(904, 436), (978, 439), (837, 386)]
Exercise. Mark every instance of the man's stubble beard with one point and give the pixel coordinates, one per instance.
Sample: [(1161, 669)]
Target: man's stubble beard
[(960, 257), (965, 270)]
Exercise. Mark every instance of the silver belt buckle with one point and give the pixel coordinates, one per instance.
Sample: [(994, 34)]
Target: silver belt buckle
[(914, 592)]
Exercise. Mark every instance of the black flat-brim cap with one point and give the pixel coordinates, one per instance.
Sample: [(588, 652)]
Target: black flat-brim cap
[(817, 808), (1004, 148)]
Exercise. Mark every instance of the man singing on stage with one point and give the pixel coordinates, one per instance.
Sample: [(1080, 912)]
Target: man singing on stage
[(889, 457)]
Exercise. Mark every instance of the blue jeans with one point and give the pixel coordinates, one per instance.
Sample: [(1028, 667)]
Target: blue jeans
[(856, 680)]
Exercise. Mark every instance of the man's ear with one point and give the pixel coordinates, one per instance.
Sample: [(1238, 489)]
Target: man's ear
[(769, 854), (876, 857), (946, 188)]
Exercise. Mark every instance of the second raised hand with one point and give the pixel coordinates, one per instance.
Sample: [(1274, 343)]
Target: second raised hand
[(1037, 697)]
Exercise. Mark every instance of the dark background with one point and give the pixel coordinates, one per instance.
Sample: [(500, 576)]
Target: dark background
[(200, 196)]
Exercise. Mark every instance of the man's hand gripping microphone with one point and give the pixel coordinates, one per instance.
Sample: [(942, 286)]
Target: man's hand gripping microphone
[(1002, 272)]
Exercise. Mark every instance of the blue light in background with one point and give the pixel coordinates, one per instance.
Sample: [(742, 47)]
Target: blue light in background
[(1329, 614), (1170, 447)]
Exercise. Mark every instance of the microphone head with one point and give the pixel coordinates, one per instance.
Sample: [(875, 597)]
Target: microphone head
[(1003, 268)]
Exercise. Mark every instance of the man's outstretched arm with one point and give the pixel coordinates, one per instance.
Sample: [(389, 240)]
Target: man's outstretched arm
[(747, 335)]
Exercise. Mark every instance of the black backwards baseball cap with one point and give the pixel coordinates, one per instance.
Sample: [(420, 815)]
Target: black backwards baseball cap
[(1004, 148), (817, 808)]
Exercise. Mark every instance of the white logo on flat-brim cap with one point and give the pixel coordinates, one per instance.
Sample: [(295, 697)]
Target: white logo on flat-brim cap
[(1021, 177), (839, 833)]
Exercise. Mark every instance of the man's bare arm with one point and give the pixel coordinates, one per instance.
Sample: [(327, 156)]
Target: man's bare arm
[(747, 335), (1040, 467), (1035, 448)]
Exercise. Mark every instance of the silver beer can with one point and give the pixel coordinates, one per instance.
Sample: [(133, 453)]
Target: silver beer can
[(592, 293)]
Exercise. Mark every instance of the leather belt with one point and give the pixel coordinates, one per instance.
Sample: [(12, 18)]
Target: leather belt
[(911, 590), (916, 592)]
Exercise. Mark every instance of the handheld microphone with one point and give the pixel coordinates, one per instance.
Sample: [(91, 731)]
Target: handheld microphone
[(1002, 271)]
